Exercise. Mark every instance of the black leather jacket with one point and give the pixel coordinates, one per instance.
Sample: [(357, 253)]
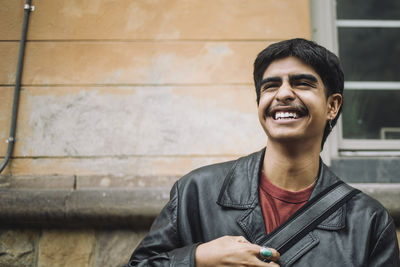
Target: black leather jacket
[(222, 199)]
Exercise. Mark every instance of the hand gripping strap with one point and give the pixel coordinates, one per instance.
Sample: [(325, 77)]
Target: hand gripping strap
[(309, 216)]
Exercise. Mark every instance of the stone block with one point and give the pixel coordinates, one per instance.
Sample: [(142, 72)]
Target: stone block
[(160, 19), (114, 182), (119, 166), (11, 16), (17, 247), (31, 206), (168, 120), (134, 209), (132, 63), (8, 62), (6, 100), (4, 179), (66, 248), (127, 209), (41, 182), (114, 248)]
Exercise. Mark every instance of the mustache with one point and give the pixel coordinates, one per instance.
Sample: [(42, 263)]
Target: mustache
[(299, 108)]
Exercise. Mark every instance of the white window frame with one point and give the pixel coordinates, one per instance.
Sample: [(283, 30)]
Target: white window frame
[(324, 32)]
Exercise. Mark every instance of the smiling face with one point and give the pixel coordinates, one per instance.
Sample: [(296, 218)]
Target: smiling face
[(293, 105)]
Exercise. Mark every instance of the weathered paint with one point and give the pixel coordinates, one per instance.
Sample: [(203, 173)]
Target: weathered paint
[(139, 88), (74, 63), (158, 19), (8, 62), (66, 122), (6, 96), (122, 166)]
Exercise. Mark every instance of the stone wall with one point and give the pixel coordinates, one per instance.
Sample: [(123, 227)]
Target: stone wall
[(86, 248), (55, 247)]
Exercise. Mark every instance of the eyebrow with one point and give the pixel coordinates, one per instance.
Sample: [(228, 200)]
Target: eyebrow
[(309, 77), (270, 79), (293, 77)]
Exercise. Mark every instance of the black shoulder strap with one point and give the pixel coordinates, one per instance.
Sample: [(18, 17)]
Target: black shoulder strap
[(309, 216)]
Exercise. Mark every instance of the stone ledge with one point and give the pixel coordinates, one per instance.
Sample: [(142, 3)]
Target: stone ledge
[(118, 208), (121, 208)]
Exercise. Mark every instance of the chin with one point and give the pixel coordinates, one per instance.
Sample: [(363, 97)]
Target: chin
[(285, 139), (287, 136), (278, 134)]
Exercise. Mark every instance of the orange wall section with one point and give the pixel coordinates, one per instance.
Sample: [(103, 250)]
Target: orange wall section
[(158, 20), (137, 88)]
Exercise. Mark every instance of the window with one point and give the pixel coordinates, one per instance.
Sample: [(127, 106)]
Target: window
[(365, 145), (368, 39)]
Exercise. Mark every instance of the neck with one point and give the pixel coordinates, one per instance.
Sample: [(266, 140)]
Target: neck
[(292, 167)]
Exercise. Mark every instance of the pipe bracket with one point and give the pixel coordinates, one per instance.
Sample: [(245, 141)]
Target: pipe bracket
[(10, 140), (30, 7)]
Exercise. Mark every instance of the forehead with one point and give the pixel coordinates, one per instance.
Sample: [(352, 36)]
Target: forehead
[(289, 66)]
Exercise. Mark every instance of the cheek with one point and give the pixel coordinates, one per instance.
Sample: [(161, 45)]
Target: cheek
[(321, 113), (265, 102), (316, 103)]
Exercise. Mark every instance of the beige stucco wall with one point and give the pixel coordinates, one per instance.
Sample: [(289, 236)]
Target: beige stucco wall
[(137, 87), (128, 93)]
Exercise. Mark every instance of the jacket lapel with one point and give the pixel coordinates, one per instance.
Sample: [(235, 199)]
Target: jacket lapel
[(326, 178), (240, 191)]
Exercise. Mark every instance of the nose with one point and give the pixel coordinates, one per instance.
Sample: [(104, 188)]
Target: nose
[(285, 93)]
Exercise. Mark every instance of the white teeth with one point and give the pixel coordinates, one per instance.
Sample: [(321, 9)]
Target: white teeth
[(285, 115)]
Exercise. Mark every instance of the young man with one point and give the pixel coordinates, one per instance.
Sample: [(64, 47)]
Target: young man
[(221, 215)]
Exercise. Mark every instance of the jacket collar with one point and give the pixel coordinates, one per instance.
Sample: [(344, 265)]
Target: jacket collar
[(240, 188)]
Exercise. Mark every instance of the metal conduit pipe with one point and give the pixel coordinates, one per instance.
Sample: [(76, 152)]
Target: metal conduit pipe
[(11, 139)]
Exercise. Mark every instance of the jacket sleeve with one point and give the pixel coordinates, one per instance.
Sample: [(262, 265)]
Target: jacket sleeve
[(385, 252), (162, 245)]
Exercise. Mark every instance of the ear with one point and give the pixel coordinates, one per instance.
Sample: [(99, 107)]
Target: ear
[(334, 103)]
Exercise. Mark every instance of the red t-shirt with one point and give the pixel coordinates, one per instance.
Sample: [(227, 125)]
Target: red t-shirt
[(278, 204)]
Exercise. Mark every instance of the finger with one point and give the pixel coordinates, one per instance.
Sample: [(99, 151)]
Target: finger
[(266, 253), (273, 264), (261, 263), (242, 239)]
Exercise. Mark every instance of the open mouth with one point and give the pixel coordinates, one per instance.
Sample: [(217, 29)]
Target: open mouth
[(291, 112), (285, 115)]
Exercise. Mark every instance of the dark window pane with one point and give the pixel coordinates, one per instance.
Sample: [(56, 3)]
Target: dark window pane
[(371, 114), (368, 9), (370, 54)]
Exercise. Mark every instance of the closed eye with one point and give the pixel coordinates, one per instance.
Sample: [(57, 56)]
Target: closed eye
[(270, 86), (304, 84), (303, 80), (270, 83)]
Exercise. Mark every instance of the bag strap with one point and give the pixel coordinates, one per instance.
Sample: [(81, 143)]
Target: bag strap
[(309, 216)]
